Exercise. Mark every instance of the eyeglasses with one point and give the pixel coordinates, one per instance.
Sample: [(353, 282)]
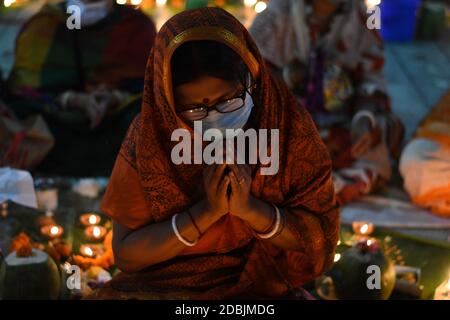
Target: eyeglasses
[(199, 112)]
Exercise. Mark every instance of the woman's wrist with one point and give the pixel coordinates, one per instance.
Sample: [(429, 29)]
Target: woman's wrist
[(203, 215), (260, 214), (204, 207)]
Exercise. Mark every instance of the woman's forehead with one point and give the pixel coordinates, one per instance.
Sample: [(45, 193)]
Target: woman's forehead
[(204, 90)]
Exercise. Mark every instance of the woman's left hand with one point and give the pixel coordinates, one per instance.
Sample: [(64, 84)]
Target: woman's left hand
[(241, 201)]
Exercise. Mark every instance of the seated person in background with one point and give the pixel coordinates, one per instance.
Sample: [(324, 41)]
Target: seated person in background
[(333, 63), (425, 161), (86, 82), (220, 230)]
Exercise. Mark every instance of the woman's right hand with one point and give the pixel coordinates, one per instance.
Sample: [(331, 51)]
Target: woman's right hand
[(216, 186)]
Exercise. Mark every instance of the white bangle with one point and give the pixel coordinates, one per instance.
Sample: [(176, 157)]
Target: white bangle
[(275, 229), (362, 114), (177, 233)]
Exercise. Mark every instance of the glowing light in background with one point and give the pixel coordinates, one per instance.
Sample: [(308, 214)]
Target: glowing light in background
[(372, 3), (54, 230), (250, 3), (121, 1), (136, 2), (161, 3), (92, 219), (88, 251), (8, 3), (96, 232), (337, 256), (364, 228), (260, 6)]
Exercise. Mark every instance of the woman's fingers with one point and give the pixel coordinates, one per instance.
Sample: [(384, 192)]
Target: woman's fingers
[(242, 173), (217, 175), (248, 170), (223, 186), (235, 170), (235, 184), (245, 171), (207, 172)]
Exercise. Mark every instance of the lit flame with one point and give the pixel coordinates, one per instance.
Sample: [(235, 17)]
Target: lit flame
[(250, 3), (54, 230), (161, 3), (121, 1), (88, 251), (92, 219), (369, 243), (339, 242), (337, 256), (364, 228), (260, 6), (136, 2), (96, 232)]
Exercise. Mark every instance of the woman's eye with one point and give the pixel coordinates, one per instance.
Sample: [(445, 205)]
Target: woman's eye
[(199, 109)]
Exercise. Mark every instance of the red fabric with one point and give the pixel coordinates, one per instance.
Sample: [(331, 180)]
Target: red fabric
[(146, 187)]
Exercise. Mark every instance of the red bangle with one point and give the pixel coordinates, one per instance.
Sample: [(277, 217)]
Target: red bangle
[(194, 223), (272, 223)]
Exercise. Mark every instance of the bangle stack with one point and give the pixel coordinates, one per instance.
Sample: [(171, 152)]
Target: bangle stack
[(178, 234), (276, 227)]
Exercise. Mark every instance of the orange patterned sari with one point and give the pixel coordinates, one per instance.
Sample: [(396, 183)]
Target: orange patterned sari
[(146, 187)]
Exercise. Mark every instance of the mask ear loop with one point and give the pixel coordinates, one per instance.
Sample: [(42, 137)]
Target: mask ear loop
[(249, 84)]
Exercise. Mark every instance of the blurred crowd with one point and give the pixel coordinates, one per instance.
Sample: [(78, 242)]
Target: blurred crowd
[(72, 94)]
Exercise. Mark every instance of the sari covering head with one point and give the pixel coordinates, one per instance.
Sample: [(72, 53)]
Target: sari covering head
[(146, 187)]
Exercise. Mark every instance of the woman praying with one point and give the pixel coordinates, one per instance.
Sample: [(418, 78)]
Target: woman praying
[(223, 230)]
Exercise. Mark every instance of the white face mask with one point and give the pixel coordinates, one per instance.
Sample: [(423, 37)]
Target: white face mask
[(91, 13), (233, 120)]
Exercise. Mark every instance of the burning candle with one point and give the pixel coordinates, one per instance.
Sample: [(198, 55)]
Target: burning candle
[(90, 219), (91, 250), (87, 251), (362, 228), (52, 231), (95, 232)]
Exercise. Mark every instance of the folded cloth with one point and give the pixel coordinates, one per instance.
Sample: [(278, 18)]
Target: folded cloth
[(425, 167), (17, 186)]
